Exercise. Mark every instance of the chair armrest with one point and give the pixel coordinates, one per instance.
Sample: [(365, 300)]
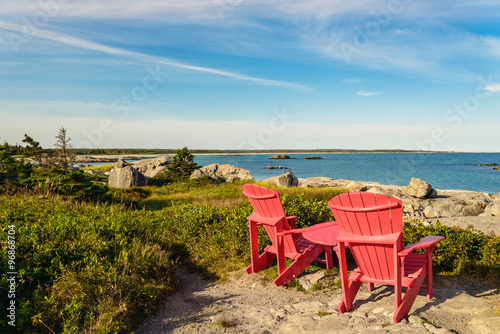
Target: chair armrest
[(426, 242), (291, 221), (309, 228), (369, 239), (254, 217)]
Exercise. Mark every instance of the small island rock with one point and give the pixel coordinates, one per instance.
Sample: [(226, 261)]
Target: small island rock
[(280, 156), (276, 167)]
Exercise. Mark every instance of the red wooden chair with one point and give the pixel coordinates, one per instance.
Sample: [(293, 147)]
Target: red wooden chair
[(287, 241), (371, 226)]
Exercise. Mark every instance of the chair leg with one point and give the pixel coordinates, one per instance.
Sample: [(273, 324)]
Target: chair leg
[(429, 274), (371, 286), (346, 302), (297, 267), (349, 289), (328, 257), (261, 262), (404, 307)]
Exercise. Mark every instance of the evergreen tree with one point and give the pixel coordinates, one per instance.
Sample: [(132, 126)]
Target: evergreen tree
[(63, 156), (12, 169), (33, 149), (182, 165)]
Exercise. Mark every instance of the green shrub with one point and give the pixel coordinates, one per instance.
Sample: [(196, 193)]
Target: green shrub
[(463, 252), (309, 210)]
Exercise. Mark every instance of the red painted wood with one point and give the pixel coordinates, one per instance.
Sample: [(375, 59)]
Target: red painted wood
[(372, 227), (286, 242)]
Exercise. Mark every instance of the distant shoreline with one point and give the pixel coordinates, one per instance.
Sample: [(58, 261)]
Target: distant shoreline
[(149, 153), (159, 152)]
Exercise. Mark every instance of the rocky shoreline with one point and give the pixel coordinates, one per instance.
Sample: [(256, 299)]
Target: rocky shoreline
[(421, 201)]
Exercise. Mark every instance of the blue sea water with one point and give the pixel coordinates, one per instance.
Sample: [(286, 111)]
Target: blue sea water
[(441, 170)]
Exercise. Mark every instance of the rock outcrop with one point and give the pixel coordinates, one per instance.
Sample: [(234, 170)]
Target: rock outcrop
[(151, 168), (125, 176), (223, 172), (450, 207), (287, 179), (493, 209)]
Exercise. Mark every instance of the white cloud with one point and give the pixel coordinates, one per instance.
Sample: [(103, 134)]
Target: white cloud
[(365, 93), (492, 88)]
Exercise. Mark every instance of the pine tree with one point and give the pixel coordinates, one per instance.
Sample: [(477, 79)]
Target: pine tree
[(182, 165), (63, 156), (33, 150)]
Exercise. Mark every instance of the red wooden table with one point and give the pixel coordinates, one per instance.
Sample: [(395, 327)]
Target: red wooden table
[(325, 233)]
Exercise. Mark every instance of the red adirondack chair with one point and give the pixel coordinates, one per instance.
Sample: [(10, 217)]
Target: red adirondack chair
[(371, 226), (287, 241)]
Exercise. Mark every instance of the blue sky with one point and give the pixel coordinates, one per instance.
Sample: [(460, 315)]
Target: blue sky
[(229, 74)]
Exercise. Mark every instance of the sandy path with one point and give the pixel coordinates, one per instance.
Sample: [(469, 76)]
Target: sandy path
[(244, 304)]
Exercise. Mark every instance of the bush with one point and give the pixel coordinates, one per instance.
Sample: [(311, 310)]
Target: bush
[(464, 252), (310, 211)]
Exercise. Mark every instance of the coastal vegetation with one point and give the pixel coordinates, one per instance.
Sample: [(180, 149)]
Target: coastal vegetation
[(92, 259)]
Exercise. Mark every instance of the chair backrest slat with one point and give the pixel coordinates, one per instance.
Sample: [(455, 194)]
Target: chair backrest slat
[(267, 204), (368, 214)]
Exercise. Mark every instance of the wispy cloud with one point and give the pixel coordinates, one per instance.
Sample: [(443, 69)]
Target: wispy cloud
[(365, 93), (92, 46)]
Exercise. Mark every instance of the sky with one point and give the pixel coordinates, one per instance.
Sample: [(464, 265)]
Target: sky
[(263, 74)]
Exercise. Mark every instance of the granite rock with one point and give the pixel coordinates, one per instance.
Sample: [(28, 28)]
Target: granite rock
[(126, 176), (224, 172)]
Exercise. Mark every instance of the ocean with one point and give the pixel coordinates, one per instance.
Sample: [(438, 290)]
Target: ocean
[(441, 170)]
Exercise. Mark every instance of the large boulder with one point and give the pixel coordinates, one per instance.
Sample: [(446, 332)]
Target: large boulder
[(125, 176), (420, 189), (287, 179), (223, 172), (157, 167), (152, 167)]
